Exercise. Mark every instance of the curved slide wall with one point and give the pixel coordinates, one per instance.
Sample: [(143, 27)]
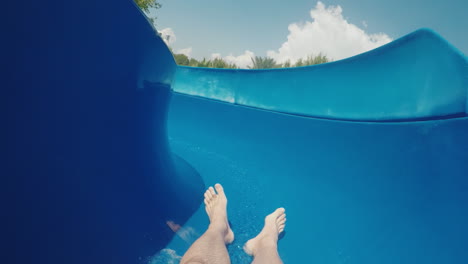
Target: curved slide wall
[(87, 171), (419, 76), (386, 191)]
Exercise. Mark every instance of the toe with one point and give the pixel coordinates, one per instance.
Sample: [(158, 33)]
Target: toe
[(280, 218), (220, 191), (278, 212), (281, 222), (212, 191), (219, 188)]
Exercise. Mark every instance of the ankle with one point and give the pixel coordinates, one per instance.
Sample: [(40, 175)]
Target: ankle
[(219, 227), (265, 246), (269, 241)]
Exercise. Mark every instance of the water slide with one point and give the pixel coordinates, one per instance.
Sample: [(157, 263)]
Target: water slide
[(110, 146)]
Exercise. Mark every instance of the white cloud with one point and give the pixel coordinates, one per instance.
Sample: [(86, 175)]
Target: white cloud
[(168, 35), (328, 33), (243, 61), (187, 52), (215, 55)]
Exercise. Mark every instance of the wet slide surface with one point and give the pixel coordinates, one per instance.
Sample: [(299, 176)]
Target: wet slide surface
[(354, 192), (368, 155)]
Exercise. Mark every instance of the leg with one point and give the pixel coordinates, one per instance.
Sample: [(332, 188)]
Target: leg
[(210, 248), (264, 247)]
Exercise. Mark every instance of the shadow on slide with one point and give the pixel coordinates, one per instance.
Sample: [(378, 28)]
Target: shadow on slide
[(88, 173)]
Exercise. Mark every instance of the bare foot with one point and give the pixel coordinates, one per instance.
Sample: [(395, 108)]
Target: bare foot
[(215, 206), (274, 225)]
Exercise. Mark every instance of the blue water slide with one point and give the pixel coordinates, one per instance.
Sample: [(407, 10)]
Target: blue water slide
[(419, 76), (368, 155), (354, 192)]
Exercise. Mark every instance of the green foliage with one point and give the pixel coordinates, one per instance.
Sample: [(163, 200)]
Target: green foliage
[(258, 62), (220, 63), (193, 62), (263, 63), (145, 5), (204, 63), (299, 63), (181, 59), (313, 60), (310, 60)]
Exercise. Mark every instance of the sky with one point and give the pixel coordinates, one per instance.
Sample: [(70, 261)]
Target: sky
[(290, 30)]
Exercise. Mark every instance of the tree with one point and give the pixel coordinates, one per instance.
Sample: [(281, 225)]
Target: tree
[(145, 5), (193, 62), (181, 59), (218, 63), (263, 63), (258, 62), (222, 64), (204, 63), (313, 60), (299, 63)]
